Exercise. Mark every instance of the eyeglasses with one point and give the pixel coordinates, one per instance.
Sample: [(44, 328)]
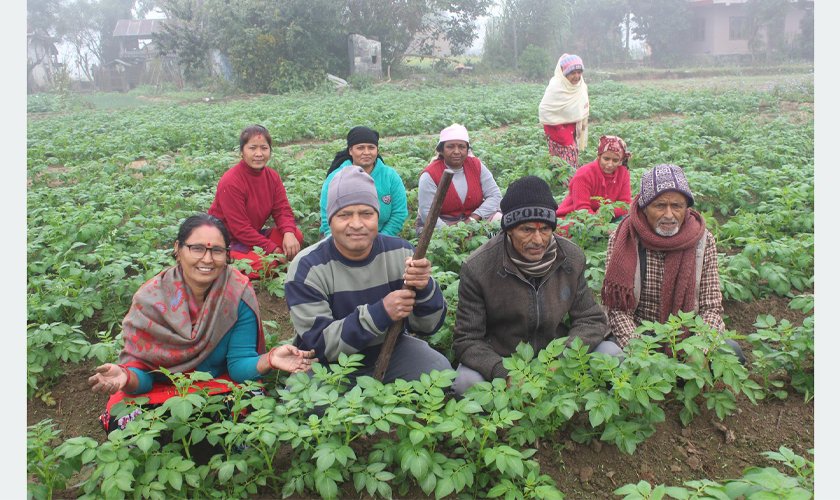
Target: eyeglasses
[(198, 251)]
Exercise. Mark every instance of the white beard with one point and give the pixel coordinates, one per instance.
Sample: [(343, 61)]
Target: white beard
[(662, 232)]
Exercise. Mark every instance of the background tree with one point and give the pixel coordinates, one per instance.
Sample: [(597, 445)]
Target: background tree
[(536, 64), (664, 25), (766, 21), (80, 32), (186, 33), (396, 23), (44, 17), (86, 25), (803, 45), (596, 31), (541, 23), (280, 45), (43, 20)]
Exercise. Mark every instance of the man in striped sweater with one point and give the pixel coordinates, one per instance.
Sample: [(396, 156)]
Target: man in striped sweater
[(345, 291)]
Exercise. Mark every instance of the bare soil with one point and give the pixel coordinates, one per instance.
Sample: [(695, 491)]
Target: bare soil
[(674, 454)]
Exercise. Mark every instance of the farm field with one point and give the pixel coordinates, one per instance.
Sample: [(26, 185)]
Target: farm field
[(108, 187)]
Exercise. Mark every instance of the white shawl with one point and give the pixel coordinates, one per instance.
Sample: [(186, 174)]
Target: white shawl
[(563, 102)]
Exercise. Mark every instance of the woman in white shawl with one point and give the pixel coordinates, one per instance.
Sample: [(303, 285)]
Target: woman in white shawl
[(564, 110)]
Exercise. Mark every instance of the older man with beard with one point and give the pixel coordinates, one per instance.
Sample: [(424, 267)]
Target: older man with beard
[(662, 260), (520, 286)]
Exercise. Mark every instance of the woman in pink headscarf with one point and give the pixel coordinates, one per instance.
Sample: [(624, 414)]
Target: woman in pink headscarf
[(564, 110), (605, 178)]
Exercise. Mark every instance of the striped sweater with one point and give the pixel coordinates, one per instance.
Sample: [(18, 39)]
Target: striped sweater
[(336, 303)]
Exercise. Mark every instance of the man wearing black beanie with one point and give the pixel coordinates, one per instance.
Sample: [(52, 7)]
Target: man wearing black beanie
[(519, 286)]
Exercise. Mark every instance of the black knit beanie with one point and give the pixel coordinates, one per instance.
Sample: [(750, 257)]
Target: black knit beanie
[(362, 135), (528, 199)]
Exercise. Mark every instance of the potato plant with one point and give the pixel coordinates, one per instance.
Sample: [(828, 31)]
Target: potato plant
[(107, 190), (755, 482)]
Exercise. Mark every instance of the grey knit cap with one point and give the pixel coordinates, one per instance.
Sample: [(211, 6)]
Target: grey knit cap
[(351, 186), (661, 179)]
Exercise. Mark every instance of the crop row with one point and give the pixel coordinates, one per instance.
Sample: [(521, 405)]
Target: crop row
[(315, 428), (195, 129)]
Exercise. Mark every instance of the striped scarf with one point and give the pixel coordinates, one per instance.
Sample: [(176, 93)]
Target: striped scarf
[(529, 268)]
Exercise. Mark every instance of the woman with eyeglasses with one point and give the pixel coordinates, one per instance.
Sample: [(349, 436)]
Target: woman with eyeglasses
[(200, 314), (247, 195)]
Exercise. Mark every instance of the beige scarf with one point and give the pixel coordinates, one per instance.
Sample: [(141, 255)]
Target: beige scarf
[(563, 102)]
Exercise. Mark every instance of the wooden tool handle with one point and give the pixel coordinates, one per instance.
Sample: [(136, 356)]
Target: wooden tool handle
[(419, 252)]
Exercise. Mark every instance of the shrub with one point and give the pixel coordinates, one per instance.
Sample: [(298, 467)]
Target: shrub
[(360, 82), (535, 63), (291, 76)]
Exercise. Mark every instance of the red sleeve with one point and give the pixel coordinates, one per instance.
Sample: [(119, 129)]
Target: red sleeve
[(231, 199), (624, 192), (580, 190), (281, 210)]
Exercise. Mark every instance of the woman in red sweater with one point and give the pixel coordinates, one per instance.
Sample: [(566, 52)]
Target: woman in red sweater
[(607, 177), (247, 195)]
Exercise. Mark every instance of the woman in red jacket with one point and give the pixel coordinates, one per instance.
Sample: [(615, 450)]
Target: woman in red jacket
[(607, 177), (247, 195)]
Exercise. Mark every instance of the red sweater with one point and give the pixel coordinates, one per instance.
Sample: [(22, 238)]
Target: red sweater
[(452, 204), (589, 181), (245, 198), (563, 134)]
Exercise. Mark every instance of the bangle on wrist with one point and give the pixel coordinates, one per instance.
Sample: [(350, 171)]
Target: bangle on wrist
[(270, 365), (127, 376)]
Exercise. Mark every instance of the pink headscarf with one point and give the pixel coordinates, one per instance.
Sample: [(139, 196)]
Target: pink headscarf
[(615, 144)]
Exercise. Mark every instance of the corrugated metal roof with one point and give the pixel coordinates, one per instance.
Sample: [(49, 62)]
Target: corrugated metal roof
[(137, 27)]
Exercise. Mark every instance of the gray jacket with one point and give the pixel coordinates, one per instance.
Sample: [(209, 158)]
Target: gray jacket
[(498, 307)]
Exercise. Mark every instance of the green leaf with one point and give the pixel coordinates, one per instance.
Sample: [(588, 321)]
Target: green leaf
[(447, 426), (444, 487), (359, 481), (106, 455), (144, 443), (418, 467), (197, 435), (268, 438), (428, 483), (123, 481), (226, 472), (325, 459), (471, 407), (181, 409), (515, 464), (416, 436), (326, 486), (498, 490), (175, 480)]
